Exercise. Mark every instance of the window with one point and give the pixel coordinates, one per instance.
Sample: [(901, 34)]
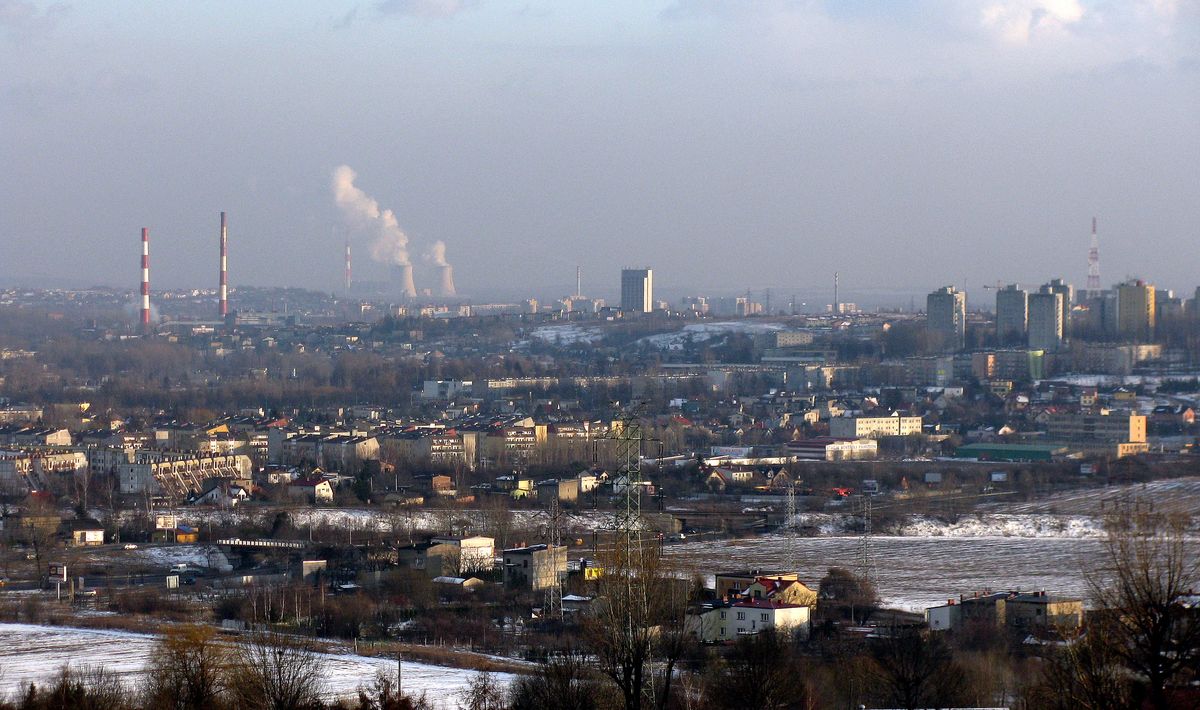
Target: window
[(764, 616), (722, 618), (741, 616)]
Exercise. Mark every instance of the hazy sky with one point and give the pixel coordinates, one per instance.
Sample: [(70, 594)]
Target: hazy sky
[(729, 144)]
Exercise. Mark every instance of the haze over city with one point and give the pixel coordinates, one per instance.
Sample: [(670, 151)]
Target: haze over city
[(731, 145)]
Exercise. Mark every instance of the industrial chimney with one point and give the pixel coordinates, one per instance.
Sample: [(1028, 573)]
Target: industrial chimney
[(348, 266), (145, 279), (408, 288), (447, 288), (224, 294)]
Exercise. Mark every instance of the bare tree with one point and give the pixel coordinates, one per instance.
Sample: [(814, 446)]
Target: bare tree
[(638, 621), (1146, 573), (187, 670), (759, 672), (915, 669), (1084, 673), (564, 681), (271, 672), (482, 693)]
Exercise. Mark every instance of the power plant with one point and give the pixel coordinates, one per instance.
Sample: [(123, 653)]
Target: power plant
[(223, 310), (145, 279), (404, 275), (447, 287)]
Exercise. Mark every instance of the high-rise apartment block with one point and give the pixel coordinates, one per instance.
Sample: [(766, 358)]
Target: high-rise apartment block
[(1135, 310), (637, 290), (1045, 321), (946, 314), (1067, 291), (1012, 313)]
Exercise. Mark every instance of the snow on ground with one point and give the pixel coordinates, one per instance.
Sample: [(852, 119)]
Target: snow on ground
[(567, 334), (1005, 525), (976, 525), (699, 332), (30, 653), (1181, 494), (461, 520), (911, 572)]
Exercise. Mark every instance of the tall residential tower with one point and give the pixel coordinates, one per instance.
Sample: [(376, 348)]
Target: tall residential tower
[(946, 314), (637, 290)]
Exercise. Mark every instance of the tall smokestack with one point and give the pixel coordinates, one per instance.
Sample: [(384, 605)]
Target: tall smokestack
[(145, 279), (224, 294), (578, 282), (447, 288), (407, 287), (347, 266)]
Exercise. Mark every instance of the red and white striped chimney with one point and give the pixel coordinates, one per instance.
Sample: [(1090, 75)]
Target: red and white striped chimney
[(224, 295), (145, 278)]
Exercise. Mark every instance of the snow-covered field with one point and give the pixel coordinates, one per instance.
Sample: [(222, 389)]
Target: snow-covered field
[(1182, 494), (567, 334), (30, 653), (699, 332), (911, 572)]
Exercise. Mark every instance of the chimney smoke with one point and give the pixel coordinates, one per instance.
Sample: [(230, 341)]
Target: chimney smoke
[(437, 256), (389, 243)]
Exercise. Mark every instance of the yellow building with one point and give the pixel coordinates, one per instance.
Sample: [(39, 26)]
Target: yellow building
[(1135, 310)]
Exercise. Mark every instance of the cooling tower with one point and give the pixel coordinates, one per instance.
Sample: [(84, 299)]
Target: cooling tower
[(447, 287), (404, 274)]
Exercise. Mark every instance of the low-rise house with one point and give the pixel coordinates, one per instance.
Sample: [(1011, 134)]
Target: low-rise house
[(781, 588), (313, 489), (564, 490), (83, 533), (1028, 612), (723, 621), (535, 567), (221, 493), (469, 584), (475, 553)]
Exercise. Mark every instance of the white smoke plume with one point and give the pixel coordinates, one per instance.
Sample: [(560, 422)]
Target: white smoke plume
[(437, 254), (389, 243)]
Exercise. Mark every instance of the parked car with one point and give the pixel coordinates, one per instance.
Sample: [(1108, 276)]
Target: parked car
[(131, 546)]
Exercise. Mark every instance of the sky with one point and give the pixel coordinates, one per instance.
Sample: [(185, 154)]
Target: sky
[(728, 144)]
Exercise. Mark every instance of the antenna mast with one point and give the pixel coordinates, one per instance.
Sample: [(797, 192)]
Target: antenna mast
[(1093, 278)]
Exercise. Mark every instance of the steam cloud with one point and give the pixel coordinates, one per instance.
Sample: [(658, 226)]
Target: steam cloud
[(389, 243), (437, 253), (437, 256)]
